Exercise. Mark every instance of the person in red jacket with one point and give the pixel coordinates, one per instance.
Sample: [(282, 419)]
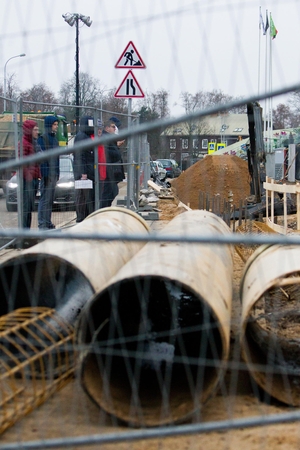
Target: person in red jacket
[(31, 173)]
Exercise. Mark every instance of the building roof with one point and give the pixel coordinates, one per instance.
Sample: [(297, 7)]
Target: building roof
[(224, 124)]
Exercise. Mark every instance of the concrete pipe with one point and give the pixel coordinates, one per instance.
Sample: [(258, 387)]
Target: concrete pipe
[(270, 290), (64, 274), (154, 343)]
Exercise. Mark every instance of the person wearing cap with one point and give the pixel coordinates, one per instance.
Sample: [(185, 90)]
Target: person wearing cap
[(49, 172), (118, 124), (31, 172), (84, 169)]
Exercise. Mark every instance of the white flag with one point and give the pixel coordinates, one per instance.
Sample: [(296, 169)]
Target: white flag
[(261, 23)]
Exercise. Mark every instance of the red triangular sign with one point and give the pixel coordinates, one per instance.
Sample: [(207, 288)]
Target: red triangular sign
[(130, 58), (129, 88)]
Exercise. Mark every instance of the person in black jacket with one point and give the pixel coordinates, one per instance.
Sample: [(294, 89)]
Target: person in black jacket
[(84, 169), (114, 168), (49, 173)]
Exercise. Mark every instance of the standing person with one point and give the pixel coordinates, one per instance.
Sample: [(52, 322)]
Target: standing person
[(49, 172), (84, 169), (31, 173), (118, 124), (114, 173), (101, 166)]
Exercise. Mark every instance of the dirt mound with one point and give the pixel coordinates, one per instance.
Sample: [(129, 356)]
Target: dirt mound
[(214, 175)]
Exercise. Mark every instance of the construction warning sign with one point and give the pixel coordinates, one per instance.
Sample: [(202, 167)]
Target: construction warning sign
[(130, 58), (129, 88)]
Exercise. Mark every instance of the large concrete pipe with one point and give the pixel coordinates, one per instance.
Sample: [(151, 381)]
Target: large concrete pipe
[(270, 290), (155, 341), (64, 274)]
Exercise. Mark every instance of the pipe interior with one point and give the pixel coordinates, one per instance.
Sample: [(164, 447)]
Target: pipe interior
[(154, 343), (43, 280), (270, 342)]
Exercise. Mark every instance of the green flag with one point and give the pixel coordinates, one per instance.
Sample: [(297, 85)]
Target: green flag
[(273, 31)]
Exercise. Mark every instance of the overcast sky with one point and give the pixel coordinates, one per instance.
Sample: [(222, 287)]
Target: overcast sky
[(186, 45)]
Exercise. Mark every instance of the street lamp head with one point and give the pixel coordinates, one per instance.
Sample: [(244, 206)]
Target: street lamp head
[(86, 20), (69, 18), (22, 54)]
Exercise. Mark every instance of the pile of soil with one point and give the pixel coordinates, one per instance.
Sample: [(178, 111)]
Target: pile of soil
[(214, 175)]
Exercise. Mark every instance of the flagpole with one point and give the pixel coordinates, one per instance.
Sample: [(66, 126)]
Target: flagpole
[(271, 87), (266, 90), (259, 48)]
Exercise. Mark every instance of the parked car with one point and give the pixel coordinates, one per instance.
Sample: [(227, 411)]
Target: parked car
[(157, 170), (64, 196), (171, 167)]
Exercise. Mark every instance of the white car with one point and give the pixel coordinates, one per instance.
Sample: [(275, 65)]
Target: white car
[(158, 170)]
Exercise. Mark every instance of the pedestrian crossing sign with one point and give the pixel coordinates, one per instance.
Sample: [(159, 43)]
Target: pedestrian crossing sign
[(130, 58)]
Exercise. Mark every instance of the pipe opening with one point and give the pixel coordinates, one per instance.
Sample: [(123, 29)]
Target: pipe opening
[(43, 280), (155, 349), (271, 341)]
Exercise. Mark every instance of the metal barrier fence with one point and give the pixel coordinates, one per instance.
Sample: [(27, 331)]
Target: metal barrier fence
[(160, 338), (136, 164)]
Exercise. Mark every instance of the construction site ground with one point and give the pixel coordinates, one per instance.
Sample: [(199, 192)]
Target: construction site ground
[(70, 412)]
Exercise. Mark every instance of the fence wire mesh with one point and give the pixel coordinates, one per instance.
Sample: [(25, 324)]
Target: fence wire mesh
[(132, 331)]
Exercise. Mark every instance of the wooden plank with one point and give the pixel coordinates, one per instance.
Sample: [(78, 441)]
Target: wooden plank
[(288, 188), (154, 185)]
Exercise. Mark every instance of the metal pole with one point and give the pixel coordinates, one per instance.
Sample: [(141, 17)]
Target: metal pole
[(130, 168), (4, 83), (77, 74), (4, 87), (20, 186)]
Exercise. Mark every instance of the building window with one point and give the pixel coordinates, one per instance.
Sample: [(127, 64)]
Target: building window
[(173, 143), (185, 143), (204, 143), (195, 143)]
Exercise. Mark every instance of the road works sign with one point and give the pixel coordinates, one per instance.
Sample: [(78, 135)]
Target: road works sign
[(129, 88), (130, 58)]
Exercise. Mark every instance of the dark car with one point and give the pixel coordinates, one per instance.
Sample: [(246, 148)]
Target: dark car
[(171, 167), (64, 196)]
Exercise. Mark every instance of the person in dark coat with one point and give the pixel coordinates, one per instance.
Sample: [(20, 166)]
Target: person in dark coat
[(31, 173), (114, 168), (84, 169), (49, 172)]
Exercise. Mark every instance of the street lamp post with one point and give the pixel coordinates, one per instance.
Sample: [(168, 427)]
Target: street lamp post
[(4, 84), (71, 19)]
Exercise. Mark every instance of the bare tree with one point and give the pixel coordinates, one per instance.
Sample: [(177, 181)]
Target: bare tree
[(12, 91), (89, 93), (157, 103), (114, 106), (294, 101), (282, 117), (192, 103), (204, 100), (154, 106), (40, 94)]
